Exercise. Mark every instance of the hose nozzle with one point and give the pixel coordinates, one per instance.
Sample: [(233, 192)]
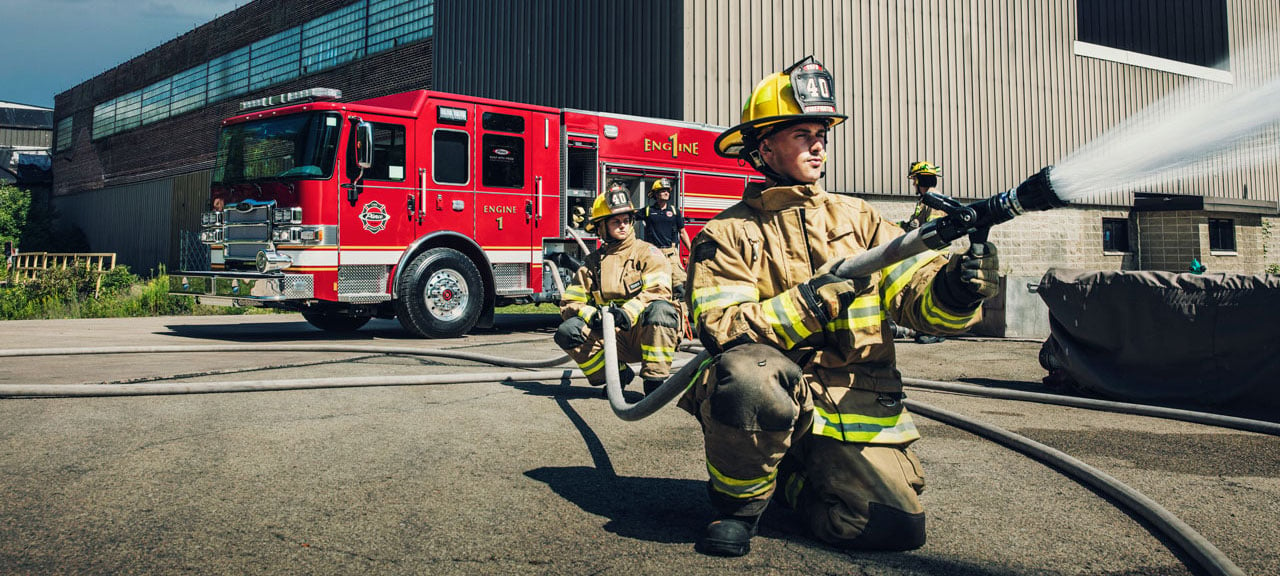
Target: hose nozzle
[(1032, 195)]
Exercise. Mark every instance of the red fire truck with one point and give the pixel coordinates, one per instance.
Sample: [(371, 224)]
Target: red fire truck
[(429, 207)]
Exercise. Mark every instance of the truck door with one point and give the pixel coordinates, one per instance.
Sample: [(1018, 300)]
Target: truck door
[(374, 212), (446, 177), (506, 196)]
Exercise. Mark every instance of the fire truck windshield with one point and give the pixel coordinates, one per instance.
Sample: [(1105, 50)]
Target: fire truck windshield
[(286, 147)]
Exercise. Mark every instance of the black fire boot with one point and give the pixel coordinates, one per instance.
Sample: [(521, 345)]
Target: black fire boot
[(625, 376), (651, 384), (729, 536)]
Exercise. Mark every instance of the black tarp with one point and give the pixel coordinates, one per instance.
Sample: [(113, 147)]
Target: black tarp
[(1160, 337)]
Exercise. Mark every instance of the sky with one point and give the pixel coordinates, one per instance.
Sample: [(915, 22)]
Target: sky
[(50, 46)]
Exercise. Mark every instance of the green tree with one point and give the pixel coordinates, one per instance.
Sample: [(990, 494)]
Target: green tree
[(15, 205)]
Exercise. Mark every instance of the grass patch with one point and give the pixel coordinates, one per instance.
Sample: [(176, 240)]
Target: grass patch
[(70, 293), (545, 308)]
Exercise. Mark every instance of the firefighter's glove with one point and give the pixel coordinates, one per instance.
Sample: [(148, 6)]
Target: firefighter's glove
[(969, 278), (620, 319), (570, 333), (827, 295)]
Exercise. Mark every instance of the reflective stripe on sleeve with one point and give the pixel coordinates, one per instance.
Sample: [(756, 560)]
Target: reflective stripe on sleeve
[(721, 297), (735, 488), (575, 293), (865, 429), (633, 308), (863, 313), (895, 277), (786, 319), (656, 279), (587, 313), (940, 317)]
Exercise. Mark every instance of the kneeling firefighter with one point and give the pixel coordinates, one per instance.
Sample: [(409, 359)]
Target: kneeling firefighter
[(635, 278), (802, 401)]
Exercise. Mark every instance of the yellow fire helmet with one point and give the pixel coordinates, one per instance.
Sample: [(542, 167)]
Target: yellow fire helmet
[(923, 168), (804, 91), (616, 201), (660, 184)]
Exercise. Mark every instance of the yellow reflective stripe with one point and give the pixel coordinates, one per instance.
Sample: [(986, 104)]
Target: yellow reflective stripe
[(575, 293), (633, 308), (735, 488), (656, 279), (895, 277), (593, 364), (785, 319), (657, 353), (865, 429), (720, 297), (864, 312), (587, 313), (791, 488), (938, 316)]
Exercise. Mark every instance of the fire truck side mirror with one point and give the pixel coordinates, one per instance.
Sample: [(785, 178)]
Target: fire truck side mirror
[(364, 145)]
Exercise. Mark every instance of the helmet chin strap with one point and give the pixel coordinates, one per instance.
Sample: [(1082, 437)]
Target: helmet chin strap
[(753, 157)]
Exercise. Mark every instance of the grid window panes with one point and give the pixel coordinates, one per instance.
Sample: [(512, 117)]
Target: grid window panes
[(1115, 235), (64, 135), (229, 75), (1222, 234), (333, 39), (344, 35), (274, 59), (396, 22)]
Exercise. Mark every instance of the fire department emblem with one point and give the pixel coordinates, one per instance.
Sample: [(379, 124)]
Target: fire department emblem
[(374, 217)]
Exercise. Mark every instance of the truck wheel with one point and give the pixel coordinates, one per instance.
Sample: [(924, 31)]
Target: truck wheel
[(335, 322), (440, 294)]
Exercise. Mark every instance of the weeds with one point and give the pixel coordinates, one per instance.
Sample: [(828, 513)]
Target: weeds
[(70, 293)]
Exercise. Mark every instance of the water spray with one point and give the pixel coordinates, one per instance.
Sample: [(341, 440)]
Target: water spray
[(1035, 194)]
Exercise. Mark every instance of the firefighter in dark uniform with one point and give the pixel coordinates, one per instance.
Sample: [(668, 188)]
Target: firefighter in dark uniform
[(802, 401), (634, 278), (664, 228)]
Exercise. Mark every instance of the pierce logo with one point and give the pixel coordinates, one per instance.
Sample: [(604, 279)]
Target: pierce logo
[(374, 217)]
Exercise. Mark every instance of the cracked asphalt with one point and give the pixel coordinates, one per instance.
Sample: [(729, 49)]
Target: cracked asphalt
[(539, 477)]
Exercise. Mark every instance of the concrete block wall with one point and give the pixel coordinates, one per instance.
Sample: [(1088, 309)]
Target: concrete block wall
[(1169, 240), (1271, 242)]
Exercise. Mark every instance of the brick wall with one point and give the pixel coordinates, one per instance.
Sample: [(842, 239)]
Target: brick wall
[(185, 143)]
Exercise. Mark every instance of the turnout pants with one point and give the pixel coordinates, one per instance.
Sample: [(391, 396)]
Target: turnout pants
[(677, 271), (652, 343), (837, 455)]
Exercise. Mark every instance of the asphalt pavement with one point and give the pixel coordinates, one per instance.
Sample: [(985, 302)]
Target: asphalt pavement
[(540, 477)]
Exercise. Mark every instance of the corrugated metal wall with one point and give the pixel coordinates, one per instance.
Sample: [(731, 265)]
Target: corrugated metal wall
[(989, 89), (24, 137), (133, 221), (621, 56)]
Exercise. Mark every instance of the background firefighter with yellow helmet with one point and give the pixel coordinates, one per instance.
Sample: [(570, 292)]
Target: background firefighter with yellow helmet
[(924, 177), (664, 228), (802, 402), (634, 278)]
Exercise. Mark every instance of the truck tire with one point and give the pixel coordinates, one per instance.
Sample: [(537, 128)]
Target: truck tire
[(440, 294), (335, 322)]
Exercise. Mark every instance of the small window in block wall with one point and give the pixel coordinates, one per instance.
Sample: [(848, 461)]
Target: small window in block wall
[(1222, 235), (1115, 235)]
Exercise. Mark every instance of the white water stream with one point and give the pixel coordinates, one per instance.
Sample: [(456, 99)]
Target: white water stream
[(1182, 136)]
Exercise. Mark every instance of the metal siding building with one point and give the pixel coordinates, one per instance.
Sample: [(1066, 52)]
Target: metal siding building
[(992, 90)]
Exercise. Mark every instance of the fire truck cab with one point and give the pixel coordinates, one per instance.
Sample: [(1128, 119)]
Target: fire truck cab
[(429, 207)]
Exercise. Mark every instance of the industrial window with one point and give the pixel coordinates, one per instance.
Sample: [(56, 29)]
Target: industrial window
[(449, 163), (187, 90), (388, 152), (274, 59), (63, 135), (155, 101), (333, 39), (1222, 235), (1187, 31), (229, 75), (396, 22), (503, 161), (1115, 235)]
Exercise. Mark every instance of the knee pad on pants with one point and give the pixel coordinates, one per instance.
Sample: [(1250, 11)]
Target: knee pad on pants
[(753, 389), (660, 313), (889, 528), (569, 335)]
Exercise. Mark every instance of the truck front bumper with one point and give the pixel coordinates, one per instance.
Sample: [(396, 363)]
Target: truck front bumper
[(241, 288)]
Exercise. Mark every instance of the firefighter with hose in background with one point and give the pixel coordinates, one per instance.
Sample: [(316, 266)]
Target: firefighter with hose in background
[(634, 278), (802, 400), (664, 228), (924, 177)]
